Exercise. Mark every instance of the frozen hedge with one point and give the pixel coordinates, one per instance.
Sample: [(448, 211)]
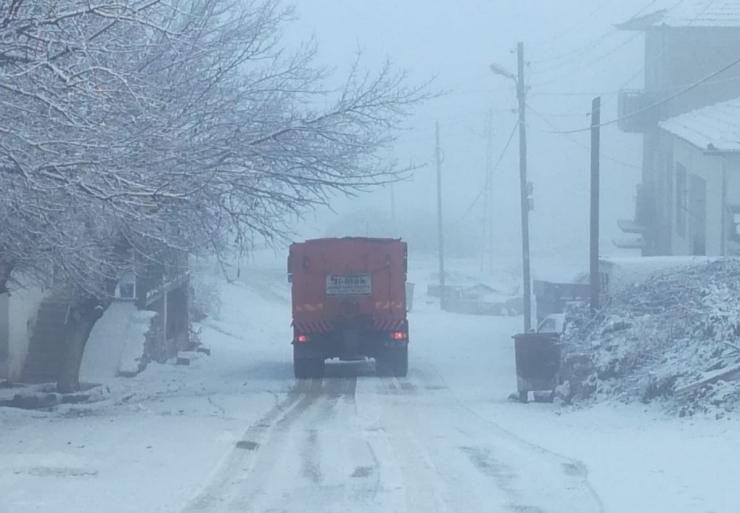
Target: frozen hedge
[(674, 338)]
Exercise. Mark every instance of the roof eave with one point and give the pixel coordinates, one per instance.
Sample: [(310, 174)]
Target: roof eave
[(720, 153), (643, 23), (714, 152)]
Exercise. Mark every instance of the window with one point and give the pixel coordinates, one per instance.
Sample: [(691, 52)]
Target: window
[(681, 199), (604, 282), (669, 190), (734, 224), (126, 288)]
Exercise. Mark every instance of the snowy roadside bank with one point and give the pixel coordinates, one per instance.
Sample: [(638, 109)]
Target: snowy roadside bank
[(168, 429), (639, 458), (154, 439), (670, 339), (146, 457)]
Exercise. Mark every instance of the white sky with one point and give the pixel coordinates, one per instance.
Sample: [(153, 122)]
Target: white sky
[(571, 47)]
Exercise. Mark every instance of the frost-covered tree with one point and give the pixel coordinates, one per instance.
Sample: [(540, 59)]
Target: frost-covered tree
[(128, 127)]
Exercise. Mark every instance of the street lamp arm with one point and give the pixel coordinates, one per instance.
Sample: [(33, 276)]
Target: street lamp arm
[(502, 72)]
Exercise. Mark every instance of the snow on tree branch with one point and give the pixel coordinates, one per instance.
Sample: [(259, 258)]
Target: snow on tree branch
[(130, 127)]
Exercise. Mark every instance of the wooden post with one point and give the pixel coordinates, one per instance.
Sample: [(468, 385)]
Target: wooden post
[(164, 319), (524, 188), (442, 294), (595, 149)]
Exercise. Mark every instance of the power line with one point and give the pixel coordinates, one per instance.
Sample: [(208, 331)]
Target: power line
[(618, 47), (464, 114), (588, 64), (597, 41), (617, 91), (665, 47), (570, 28), (476, 91), (657, 104), (579, 144), (490, 175)]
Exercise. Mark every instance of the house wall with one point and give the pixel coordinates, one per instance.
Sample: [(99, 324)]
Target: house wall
[(17, 314), (665, 182), (676, 58), (710, 169), (685, 56), (732, 173)]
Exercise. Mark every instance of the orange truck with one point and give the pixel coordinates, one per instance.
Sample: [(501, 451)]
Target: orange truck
[(349, 302)]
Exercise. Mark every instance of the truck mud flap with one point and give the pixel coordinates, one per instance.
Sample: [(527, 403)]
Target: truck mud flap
[(351, 346)]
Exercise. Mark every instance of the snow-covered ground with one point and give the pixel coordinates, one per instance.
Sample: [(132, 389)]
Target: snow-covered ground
[(235, 432)]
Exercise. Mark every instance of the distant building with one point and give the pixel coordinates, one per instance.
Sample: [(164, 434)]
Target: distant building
[(689, 201)]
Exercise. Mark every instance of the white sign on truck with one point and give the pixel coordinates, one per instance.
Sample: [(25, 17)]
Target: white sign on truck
[(349, 285)]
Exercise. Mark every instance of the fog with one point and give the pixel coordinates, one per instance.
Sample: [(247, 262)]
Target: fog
[(158, 335), (573, 53)]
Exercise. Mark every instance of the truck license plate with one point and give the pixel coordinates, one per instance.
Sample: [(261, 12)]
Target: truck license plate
[(349, 285)]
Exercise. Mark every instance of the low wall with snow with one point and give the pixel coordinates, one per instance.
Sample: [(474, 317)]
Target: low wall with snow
[(19, 314), (116, 343)]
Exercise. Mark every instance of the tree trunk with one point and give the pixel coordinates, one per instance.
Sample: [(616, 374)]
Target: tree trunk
[(83, 317), (6, 270)]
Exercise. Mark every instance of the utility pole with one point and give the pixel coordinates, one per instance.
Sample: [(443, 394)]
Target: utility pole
[(438, 156), (595, 150), (521, 93), (489, 192), (393, 210), (487, 239)]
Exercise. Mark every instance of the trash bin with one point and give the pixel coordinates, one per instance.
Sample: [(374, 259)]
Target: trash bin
[(409, 296), (537, 363)]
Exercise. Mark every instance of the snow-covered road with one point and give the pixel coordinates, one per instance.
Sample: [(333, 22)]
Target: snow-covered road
[(362, 443), (235, 432)]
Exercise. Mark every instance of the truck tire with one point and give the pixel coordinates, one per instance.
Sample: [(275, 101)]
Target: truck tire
[(308, 368), (301, 368), (400, 362), (318, 368), (393, 363)]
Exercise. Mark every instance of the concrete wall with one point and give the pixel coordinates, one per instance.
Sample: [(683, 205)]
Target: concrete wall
[(4, 336), (17, 314)]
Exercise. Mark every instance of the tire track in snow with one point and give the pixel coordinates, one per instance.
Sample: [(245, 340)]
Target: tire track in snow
[(287, 472), (424, 485), (323, 463), (486, 457), (229, 474)]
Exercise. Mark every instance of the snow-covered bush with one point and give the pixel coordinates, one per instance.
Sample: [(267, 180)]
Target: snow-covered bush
[(672, 337), (205, 299)]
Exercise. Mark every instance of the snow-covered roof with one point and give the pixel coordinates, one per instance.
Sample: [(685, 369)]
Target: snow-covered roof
[(712, 128), (625, 272), (693, 13)]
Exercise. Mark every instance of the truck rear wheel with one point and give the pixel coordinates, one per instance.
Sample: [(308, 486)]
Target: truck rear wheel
[(308, 368), (400, 362), (395, 362)]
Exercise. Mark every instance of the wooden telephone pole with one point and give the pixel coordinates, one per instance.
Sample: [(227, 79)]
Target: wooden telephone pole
[(487, 240), (521, 93), (438, 157), (595, 186)]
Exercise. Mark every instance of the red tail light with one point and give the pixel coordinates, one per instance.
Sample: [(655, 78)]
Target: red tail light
[(301, 339), (399, 335)]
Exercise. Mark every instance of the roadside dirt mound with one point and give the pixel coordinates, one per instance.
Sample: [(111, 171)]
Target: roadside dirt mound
[(673, 338)]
